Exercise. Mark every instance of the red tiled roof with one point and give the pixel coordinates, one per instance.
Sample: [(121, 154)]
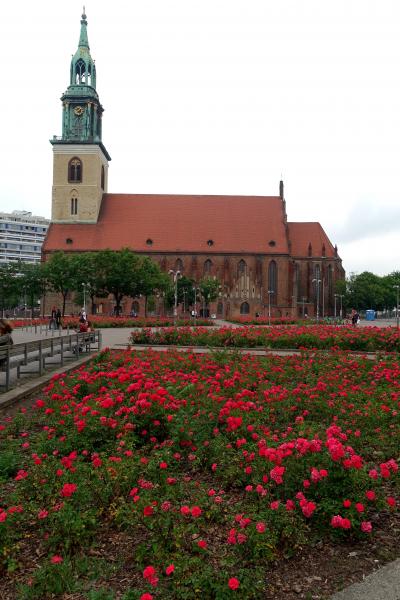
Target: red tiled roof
[(301, 234), (178, 224)]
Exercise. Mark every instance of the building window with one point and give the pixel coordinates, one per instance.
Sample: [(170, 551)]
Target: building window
[(102, 177), (75, 170), (273, 281), (149, 242), (74, 206), (244, 308), (207, 267), (210, 243), (242, 268), (179, 265)]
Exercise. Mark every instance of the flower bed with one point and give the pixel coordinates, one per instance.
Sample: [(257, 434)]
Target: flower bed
[(266, 321), (322, 337), (200, 469), (109, 322)]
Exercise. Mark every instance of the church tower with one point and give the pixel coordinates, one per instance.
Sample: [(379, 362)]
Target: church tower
[(80, 165)]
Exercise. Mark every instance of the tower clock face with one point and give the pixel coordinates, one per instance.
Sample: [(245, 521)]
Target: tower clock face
[(78, 110)]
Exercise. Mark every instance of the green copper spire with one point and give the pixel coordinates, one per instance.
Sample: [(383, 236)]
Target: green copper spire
[(82, 111), (83, 69), (83, 38)]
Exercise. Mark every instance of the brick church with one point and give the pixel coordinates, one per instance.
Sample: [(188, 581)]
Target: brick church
[(263, 261)]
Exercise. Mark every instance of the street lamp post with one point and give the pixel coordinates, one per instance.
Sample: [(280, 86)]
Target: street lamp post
[(269, 305), (397, 287), (317, 281), (184, 302), (303, 299), (195, 289), (84, 296), (176, 275), (335, 297), (341, 305)]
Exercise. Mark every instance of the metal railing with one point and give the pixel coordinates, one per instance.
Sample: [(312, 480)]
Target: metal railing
[(66, 347)]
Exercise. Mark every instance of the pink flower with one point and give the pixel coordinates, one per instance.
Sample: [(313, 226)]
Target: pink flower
[(290, 505), (196, 511), (366, 526), (185, 510), (21, 475), (170, 569), (149, 572), (146, 596), (56, 559), (391, 501), (260, 527), (202, 544), (233, 583), (42, 514), (148, 511), (68, 489), (370, 495)]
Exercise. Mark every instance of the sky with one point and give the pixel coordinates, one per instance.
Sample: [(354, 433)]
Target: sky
[(221, 97)]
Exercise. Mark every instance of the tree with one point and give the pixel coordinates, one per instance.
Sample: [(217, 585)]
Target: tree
[(150, 280), (32, 283), (390, 283), (9, 286), (209, 289), (60, 274), (87, 282), (119, 273)]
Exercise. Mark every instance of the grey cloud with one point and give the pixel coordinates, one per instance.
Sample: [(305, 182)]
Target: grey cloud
[(368, 220)]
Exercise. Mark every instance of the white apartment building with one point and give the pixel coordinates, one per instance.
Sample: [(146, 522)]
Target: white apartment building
[(21, 236)]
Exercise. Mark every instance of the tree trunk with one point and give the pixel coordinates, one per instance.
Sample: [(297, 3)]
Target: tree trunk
[(64, 301)]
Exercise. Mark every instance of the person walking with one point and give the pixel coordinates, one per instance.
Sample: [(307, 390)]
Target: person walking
[(53, 318), (58, 318)]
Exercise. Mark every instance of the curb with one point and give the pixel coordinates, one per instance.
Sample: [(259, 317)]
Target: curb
[(383, 584)]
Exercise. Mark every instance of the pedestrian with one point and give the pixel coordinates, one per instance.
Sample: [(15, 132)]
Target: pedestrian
[(82, 315), (355, 317), (58, 318), (53, 318), (5, 337)]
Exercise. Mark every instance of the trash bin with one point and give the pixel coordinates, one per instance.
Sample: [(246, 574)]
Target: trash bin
[(370, 315)]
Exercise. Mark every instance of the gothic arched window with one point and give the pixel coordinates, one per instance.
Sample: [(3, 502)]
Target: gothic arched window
[(273, 281), (244, 308), (102, 177), (179, 265), (74, 205), (80, 70), (207, 267), (242, 268), (75, 170)]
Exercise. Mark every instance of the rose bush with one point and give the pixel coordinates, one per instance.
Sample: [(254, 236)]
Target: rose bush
[(208, 466), (322, 337)]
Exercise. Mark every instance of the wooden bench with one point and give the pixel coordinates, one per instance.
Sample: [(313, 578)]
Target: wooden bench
[(68, 347)]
